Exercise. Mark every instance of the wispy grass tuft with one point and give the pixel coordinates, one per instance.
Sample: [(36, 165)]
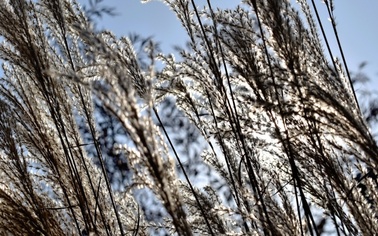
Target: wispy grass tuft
[(285, 147)]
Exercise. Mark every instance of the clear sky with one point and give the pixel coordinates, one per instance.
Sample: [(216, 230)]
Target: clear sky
[(357, 25)]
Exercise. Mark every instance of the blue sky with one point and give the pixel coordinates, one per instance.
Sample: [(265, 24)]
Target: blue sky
[(357, 25)]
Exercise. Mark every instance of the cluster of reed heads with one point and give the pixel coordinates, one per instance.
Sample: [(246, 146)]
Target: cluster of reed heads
[(284, 133)]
